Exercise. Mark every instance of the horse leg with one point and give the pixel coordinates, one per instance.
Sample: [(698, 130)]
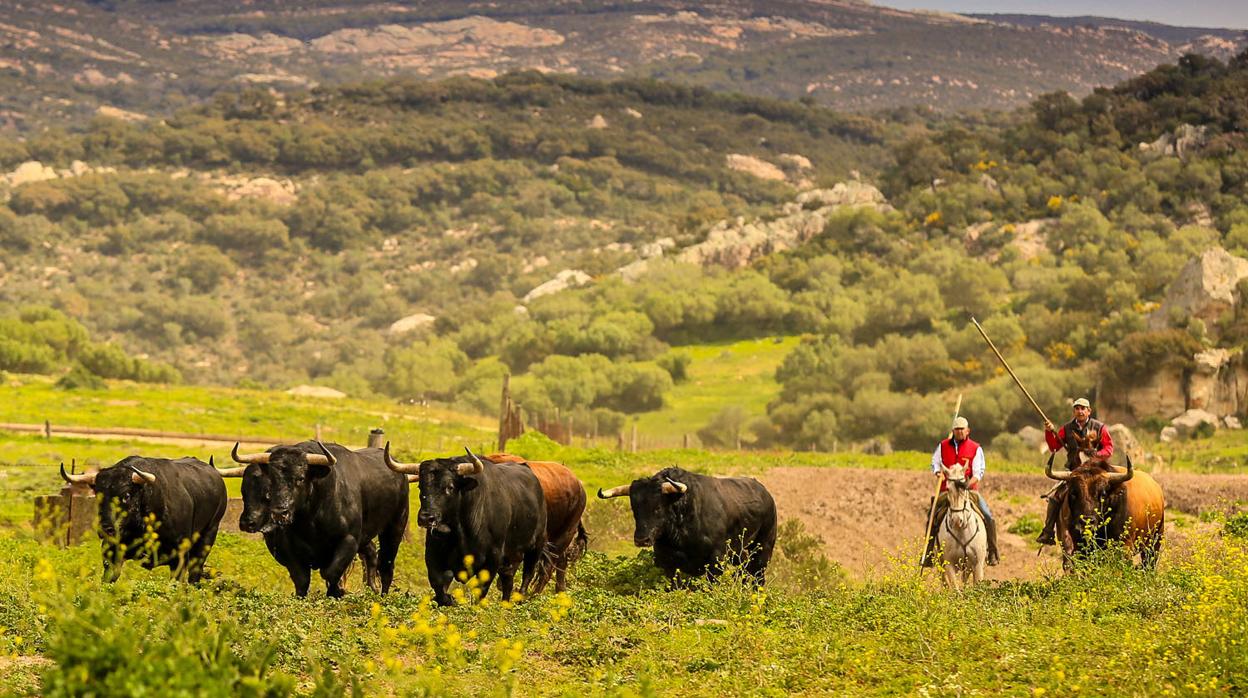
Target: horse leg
[(951, 577)]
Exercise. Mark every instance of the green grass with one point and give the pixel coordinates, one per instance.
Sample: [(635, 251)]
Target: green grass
[(721, 375), (254, 414)]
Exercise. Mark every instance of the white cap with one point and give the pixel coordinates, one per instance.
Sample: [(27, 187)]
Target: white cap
[(1083, 402), (961, 423)]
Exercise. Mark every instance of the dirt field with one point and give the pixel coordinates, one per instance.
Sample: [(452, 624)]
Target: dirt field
[(869, 518)]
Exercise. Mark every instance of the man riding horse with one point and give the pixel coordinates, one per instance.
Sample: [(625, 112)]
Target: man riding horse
[(959, 452), (1084, 439)]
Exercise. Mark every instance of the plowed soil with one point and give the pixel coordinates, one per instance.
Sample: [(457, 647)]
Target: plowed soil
[(870, 519)]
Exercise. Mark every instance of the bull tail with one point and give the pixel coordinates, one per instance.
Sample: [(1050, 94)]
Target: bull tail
[(579, 545), (555, 561)]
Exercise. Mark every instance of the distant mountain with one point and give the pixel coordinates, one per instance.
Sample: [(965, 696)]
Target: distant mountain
[(1177, 36), (63, 62)]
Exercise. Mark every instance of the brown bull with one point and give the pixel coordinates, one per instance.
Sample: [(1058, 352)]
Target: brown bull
[(566, 539), (1106, 503)]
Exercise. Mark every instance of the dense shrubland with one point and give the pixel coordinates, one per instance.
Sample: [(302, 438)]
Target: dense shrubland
[(456, 198)]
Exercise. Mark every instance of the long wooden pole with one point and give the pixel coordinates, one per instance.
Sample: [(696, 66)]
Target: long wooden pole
[(1009, 370), (931, 512)]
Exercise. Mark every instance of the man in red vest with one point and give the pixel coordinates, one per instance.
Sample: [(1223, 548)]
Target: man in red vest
[(1084, 439), (958, 451)]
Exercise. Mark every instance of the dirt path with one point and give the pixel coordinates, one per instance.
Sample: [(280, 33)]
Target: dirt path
[(868, 519)]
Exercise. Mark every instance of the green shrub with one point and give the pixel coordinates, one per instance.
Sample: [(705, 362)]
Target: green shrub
[(179, 649), (1026, 525), (676, 363), (80, 378), (1236, 524)]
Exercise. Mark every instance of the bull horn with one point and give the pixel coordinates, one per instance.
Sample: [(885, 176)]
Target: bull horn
[(261, 458), (1056, 474), (83, 479), (673, 487), (139, 477), (473, 468), (405, 468), (232, 472), (1115, 478), (318, 459), (613, 492)]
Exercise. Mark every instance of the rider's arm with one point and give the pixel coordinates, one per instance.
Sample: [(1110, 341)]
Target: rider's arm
[(977, 466), (1107, 444), (1055, 440), (936, 460)]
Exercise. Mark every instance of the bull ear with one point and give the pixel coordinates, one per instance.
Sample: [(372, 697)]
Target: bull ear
[(464, 483)]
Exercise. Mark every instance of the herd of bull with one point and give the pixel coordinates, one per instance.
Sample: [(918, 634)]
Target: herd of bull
[(321, 506)]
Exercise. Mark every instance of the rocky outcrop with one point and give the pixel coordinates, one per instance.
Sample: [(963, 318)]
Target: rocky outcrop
[(752, 165), (30, 171), (1183, 142), (564, 280), (411, 322), (318, 391), (735, 243), (1204, 289)]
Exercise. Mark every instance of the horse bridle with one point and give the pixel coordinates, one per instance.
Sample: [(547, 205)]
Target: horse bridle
[(978, 522)]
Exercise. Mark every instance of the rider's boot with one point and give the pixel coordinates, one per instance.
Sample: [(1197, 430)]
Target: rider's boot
[(991, 525), (1046, 536)]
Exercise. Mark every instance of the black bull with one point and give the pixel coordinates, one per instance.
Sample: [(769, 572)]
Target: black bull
[(319, 506), (696, 522), (493, 512), (182, 501)]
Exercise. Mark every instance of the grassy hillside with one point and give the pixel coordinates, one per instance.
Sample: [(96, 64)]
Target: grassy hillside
[(721, 375)]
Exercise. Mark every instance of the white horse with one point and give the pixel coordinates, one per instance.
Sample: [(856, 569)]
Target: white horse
[(963, 535)]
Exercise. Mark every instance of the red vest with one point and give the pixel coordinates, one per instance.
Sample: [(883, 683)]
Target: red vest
[(964, 456)]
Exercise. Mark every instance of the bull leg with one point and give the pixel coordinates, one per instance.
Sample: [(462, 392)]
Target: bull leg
[(337, 567), (301, 576), (531, 561), (368, 558), (389, 541), (561, 574), (197, 555)]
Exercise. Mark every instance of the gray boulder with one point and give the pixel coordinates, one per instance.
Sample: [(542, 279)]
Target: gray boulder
[(1190, 420)]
